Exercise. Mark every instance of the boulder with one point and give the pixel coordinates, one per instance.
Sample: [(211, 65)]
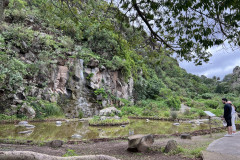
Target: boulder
[(139, 142), (28, 111), (109, 111), (171, 146), (186, 136), (55, 143), (93, 63)]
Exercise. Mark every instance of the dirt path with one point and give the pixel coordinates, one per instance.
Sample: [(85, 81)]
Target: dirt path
[(118, 148)]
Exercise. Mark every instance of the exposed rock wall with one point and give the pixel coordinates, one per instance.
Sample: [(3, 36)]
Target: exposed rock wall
[(236, 77), (72, 85)]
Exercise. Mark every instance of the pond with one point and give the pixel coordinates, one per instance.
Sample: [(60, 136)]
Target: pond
[(45, 131)]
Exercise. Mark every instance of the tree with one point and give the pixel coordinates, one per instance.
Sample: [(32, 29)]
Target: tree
[(187, 27)]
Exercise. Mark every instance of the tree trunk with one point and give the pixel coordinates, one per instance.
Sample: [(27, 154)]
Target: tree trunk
[(28, 155)]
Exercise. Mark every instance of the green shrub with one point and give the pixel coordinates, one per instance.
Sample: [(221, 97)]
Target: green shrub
[(174, 114), (7, 117), (201, 113), (96, 121), (207, 96), (151, 110), (101, 91), (132, 110), (166, 114), (80, 114), (174, 103), (70, 153), (211, 104)]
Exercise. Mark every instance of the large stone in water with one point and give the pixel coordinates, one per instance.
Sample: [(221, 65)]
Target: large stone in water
[(77, 136), (139, 142), (58, 122), (22, 123)]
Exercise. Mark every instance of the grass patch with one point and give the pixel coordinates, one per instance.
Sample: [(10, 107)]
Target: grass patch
[(108, 122), (189, 152), (70, 153)]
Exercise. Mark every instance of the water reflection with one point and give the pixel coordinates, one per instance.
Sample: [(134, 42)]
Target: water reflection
[(49, 131)]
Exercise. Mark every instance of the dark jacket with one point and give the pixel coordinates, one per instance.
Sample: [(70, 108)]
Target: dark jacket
[(227, 111)]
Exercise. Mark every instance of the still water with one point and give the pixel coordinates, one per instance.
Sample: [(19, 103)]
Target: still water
[(45, 131)]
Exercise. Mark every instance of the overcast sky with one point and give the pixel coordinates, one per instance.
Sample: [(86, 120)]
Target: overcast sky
[(222, 62)]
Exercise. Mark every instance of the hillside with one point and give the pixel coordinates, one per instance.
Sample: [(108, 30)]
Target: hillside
[(61, 62)]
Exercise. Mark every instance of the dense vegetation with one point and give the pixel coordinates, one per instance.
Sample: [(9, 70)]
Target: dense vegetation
[(50, 30)]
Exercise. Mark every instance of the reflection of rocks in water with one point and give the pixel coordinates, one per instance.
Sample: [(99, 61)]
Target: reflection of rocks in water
[(28, 132), (77, 136), (29, 126), (58, 123)]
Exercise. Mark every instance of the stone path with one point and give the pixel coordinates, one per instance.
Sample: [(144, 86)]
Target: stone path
[(225, 148)]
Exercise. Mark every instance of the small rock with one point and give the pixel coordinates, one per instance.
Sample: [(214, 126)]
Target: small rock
[(123, 126), (176, 124), (66, 120), (76, 136), (147, 120), (58, 122), (186, 136), (171, 146), (55, 143)]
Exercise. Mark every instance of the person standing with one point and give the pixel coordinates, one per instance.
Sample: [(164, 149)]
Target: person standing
[(233, 117), (227, 116)]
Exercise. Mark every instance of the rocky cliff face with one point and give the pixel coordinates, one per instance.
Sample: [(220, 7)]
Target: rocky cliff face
[(75, 87), (235, 78)]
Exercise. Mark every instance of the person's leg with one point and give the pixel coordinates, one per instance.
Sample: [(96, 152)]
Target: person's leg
[(229, 130), (229, 126), (233, 124)]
